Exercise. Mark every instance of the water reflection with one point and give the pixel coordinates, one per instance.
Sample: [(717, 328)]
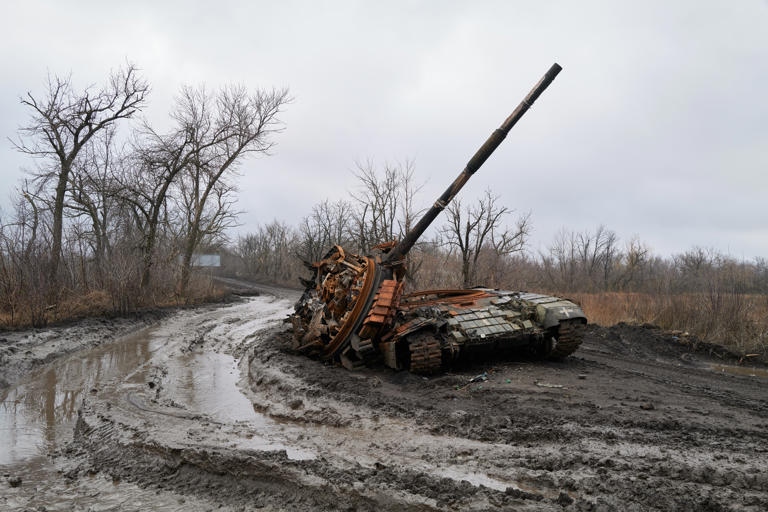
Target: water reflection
[(40, 412), (207, 383)]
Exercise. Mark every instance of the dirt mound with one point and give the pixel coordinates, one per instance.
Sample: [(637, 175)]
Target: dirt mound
[(651, 341)]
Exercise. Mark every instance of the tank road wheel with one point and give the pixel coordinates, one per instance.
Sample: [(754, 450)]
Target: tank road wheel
[(426, 356), (569, 336)]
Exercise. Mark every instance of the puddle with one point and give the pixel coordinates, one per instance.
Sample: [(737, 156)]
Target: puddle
[(740, 370), (39, 413), (206, 383), (268, 444), (476, 479)]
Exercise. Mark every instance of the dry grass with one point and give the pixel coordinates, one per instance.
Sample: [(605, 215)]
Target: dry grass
[(734, 320), (99, 303)]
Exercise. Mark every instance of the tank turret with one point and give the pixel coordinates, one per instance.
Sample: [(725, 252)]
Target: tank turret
[(353, 309)]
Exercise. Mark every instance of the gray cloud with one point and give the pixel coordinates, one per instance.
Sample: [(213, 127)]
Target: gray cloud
[(656, 126)]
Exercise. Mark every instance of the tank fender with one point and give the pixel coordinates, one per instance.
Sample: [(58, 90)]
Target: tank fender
[(552, 313), (413, 325)]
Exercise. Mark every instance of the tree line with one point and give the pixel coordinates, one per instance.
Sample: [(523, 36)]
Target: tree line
[(484, 243), (114, 209)]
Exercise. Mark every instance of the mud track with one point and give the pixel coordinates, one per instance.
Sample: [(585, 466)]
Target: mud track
[(635, 420)]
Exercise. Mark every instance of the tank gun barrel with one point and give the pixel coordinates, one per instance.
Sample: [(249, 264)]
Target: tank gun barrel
[(482, 154)]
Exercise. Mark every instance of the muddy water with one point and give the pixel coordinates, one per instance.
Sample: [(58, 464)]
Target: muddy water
[(37, 416), (207, 383), (154, 371)]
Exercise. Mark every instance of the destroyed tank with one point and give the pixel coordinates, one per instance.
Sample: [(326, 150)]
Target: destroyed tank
[(353, 309)]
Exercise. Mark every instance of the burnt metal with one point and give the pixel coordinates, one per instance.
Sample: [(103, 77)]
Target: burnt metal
[(473, 165), (353, 309)]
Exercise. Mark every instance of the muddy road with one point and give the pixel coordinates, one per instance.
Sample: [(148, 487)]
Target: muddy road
[(208, 409)]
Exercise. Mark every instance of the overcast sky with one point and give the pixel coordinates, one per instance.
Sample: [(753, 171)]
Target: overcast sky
[(657, 127)]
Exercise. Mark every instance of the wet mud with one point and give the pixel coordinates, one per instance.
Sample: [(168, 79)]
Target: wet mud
[(209, 409)]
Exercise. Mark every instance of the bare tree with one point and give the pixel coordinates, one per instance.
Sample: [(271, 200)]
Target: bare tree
[(597, 253), (329, 224), (409, 189), (560, 262), (93, 194), (156, 162), (695, 268), (23, 260), (480, 226), (63, 122), (761, 274), (225, 128), (268, 253), (635, 261), (378, 201), (385, 203), (586, 261)]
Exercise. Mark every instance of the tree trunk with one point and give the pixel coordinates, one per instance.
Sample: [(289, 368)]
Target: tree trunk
[(58, 228)]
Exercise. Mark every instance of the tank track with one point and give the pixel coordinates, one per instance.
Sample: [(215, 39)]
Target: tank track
[(426, 355), (570, 336), (365, 349)]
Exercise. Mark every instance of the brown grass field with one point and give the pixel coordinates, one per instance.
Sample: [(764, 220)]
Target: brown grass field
[(737, 321)]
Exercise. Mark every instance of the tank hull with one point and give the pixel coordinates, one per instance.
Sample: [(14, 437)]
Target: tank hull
[(354, 312), (481, 323)]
